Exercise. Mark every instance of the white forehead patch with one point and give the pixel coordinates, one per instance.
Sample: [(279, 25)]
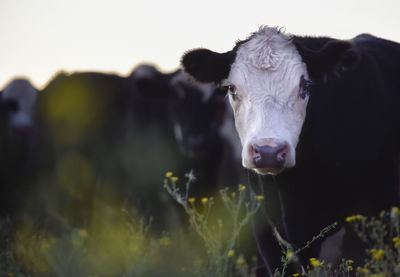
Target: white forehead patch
[(266, 48)]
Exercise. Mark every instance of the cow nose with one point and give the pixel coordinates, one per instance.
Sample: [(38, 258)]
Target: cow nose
[(268, 153)]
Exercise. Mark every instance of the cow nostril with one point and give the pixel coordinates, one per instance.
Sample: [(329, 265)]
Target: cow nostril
[(282, 153), (255, 152), (281, 157)]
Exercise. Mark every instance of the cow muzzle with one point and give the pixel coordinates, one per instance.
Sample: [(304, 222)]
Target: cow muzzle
[(268, 155)]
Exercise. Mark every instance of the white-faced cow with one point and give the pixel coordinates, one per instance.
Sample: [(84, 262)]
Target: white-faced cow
[(323, 116)]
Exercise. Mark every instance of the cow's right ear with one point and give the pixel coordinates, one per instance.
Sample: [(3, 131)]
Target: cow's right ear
[(207, 66)]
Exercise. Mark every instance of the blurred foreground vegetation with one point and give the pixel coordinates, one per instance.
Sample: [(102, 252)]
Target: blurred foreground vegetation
[(117, 242)]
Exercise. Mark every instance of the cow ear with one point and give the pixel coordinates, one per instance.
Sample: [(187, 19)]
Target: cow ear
[(207, 66), (335, 56), (151, 83)]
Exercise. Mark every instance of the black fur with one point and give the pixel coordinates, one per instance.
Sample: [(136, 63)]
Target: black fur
[(324, 55), (208, 66)]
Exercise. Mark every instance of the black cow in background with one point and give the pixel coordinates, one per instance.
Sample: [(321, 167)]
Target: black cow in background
[(202, 125), (99, 140), (111, 139), (321, 114), (17, 126)]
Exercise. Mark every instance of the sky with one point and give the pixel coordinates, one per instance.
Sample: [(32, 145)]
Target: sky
[(41, 37)]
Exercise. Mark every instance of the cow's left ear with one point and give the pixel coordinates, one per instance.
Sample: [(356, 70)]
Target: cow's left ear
[(335, 56), (207, 66)]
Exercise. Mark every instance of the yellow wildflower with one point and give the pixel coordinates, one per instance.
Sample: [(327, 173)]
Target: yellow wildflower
[(165, 241), (242, 187), (204, 200), (192, 200), (353, 217), (350, 261), (289, 254), (260, 197), (377, 253), (396, 241), (395, 210), (315, 262), (296, 274), (174, 178), (231, 253), (169, 174), (362, 269), (240, 261), (349, 268)]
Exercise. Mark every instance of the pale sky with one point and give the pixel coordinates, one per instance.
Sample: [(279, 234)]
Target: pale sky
[(40, 37)]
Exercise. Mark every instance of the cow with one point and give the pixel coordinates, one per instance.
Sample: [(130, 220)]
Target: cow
[(199, 120), (127, 132), (100, 139), (17, 126), (319, 120)]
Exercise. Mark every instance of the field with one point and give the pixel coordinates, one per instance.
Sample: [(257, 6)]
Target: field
[(211, 238)]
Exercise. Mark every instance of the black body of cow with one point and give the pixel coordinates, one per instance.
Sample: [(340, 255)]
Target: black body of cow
[(348, 153)]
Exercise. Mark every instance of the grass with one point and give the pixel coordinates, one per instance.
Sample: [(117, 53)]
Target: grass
[(210, 241)]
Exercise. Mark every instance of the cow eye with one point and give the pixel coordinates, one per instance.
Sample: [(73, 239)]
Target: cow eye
[(304, 87), (231, 89)]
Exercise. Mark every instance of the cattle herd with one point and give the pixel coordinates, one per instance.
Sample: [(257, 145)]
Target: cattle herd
[(315, 124)]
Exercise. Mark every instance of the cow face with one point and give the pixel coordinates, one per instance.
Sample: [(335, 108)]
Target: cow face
[(17, 105), (267, 78), (195, 111), (269, 103), (198, 111)]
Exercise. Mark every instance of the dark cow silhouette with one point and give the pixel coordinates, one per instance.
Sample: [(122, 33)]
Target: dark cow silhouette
[(101, 140), (17, 126), (109, 137), (323, 117), (198, 115)]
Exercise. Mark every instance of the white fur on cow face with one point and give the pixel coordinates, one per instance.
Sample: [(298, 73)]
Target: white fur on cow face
[(266, 74)]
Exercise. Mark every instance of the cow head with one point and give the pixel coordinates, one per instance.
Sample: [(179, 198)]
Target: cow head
[(195, 110), (17, 105), (267, 78), (198, 112)]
